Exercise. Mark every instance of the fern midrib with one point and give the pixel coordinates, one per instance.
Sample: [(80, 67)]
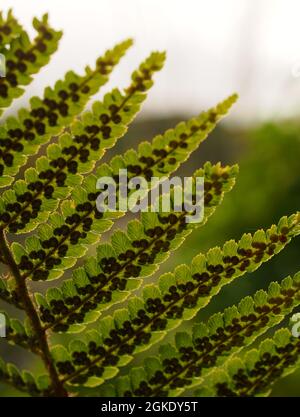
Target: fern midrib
[(38, 193)]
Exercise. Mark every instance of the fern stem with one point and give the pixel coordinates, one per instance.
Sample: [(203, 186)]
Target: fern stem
[(21, 287)]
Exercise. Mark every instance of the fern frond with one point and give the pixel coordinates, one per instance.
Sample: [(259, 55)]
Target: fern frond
[(254, 373), (23, 380), (24, 57), (62, 241), (30, 201), (22, 136), (185, 365), (8, 291), (20, 334), (9, 30), (61, 198)]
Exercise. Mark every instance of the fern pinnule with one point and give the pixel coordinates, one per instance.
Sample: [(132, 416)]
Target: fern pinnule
[(8, 291), (23, 56), (10, 29), (106, 301)]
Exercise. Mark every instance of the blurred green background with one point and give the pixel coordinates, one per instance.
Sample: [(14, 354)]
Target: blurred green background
[(268, 187)]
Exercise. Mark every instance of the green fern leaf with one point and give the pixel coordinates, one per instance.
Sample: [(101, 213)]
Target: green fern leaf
[(24, 57)]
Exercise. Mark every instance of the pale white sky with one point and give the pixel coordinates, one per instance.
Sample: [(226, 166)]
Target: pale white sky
[(214, 47)]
